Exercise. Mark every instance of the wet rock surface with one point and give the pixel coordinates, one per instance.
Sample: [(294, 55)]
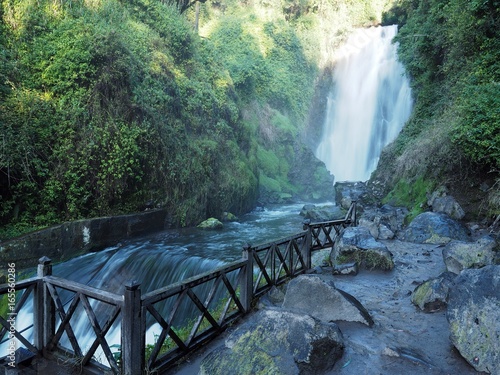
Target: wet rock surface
[(403, 339), (278, 342), (435, 228), (459, 255), (356, 244), (311, 295), (474, 317)]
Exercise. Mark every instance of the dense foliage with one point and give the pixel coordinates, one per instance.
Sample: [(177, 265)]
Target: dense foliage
[(107, 107), (110, 106), (451, 50)]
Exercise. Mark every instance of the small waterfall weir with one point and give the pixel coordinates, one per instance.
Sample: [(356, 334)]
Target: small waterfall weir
[(367, 106)]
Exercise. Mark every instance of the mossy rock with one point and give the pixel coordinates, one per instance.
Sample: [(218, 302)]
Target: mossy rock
[(211, 224)]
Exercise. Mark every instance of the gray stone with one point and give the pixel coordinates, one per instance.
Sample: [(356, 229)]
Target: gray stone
[(385, 233), (459, 255), (436, 228), (313, 296), (346, 192), (474, 317), (449, 206), (346, 269), (440, 201), (277, 342), (372, 226), (432, 295), (322, 213), (356, 244)]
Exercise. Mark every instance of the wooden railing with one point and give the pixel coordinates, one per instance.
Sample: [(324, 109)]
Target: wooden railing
[(218, 297)]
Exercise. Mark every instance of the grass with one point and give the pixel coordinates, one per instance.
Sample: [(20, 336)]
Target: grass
[(410, 194)]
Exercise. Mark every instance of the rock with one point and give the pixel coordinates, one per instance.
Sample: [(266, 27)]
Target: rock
[(211, 223), (273, 298), (347, 192), (385, 233), (459, 255), (474, 317), (449, 206), (385, 221), (322, 213), (432, 295), (277, 342), (313, 296), (436, 228), (440, 201), (320, 258), (356, 244), (372, 226), (377, 230), (346, 269), (228, 217)]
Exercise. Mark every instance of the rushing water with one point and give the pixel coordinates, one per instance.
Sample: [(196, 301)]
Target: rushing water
[(172, 255), (162, 259), (367, 106)]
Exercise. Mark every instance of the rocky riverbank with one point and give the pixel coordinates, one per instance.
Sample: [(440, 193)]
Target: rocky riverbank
[(403, 338), (444, 331)]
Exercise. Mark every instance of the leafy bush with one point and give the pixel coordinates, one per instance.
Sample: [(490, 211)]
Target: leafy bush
[(478, 132)]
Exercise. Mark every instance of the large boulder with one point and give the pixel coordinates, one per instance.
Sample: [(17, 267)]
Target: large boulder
[(322, 213), (474, 317), (435, 228), (278, 342), (459, 255), (432, 295), (356, 244), (311, 295)]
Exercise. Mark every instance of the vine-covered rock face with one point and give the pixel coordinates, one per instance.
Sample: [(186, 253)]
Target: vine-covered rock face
[(474, 317), (277, 342)]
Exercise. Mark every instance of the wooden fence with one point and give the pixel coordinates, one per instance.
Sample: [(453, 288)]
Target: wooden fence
[(218, 297)]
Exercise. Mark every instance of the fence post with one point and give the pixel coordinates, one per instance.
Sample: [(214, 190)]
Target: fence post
[(43, 309), (246, 286), (132, 339), (307, 245), (354, 214)]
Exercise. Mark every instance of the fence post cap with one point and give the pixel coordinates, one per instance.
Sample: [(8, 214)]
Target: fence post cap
[(247, 246), (44, 260), (132, 285), (306, 223)]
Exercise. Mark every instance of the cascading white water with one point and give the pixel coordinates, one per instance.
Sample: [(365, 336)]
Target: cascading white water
[(368, 105)]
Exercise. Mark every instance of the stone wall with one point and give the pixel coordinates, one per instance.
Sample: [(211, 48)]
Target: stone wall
[(67, 240)]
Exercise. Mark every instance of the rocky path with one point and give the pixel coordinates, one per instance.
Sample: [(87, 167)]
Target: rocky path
[(403, 340)]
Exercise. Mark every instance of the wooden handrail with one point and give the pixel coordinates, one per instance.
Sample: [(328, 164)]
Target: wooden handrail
[(261, 267)]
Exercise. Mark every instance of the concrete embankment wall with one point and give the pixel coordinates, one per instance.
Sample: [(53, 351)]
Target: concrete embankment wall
[(67, 240)]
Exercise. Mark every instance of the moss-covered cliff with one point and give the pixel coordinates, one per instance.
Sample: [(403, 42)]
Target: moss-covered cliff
[(451, 52), (108, 107)]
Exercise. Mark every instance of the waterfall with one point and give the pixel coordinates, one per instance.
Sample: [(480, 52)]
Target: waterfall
[(367, 106)]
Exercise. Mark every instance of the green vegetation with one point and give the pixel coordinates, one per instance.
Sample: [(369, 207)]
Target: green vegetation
[(368, 259), (105, 105), (451, 50), (411, 195)]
